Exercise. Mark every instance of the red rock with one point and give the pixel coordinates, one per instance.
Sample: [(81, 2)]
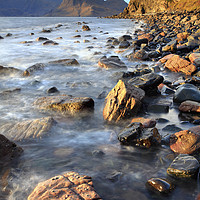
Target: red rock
[(195, 58), (67, 186), (186, 142), (178, 64), (189, 106), (148, 36), (123, 101), (147, 123), (166, 58)]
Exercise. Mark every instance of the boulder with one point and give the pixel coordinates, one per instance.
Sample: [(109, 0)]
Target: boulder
[(186, 142), (7, 71), (146, 123), (159, 184), (189, 106), (195, 58), (123, 101), (178, 64), (65, 103), (187, 92), (68, 186), (65, 62), (183, 166), (111, 62), (86, 28), (34, 68), (49, 42), (28, 129)]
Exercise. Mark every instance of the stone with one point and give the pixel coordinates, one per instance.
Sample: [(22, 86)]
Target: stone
[(166, 58), (28, 129), (111, 62), (65, 103), (1, 37), (77, 36), (182, 36), (141, 55), (183, 166), (159, 184), (140, 42), (164, 89), (41, 39), (49, 42), (159, 106), (123, 101), (70, 185), (7, 71), (26, 42), (171, 46), (187, 92), (189, 106), (52, 90), (34, 68), (124, 44), (124, 38), (147, 36), (172, 128), (86, 28), (137, 72), (66, 62), (178, 64), (146, 123), (195, 58), (8, 34), (186, 142), (46, 30)]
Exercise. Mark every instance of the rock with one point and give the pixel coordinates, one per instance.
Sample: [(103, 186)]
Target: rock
[(32, 34), (140, 42), (183, 166), (65, 103), (124, 44), (52, 90), (114, 176), (86, 28), (26, 42), (8, 34), (186, 142), (166, 58), (159, 184), (147, 36), (49, 42), (147, 82), (189, 106), (124, 38), (8, 150), (141, 55), (171, 46), (10, 91), (65, 62), (69, 186), (186, 92), (28, 129), (1, 38), (172, 128), (164, 89), (195, 58), (41, 39), (115, 42), (178, 64), (77, 36), (34, 68), (146, 123), (159, 106), (123, 101), (7, 71), (111, 62), (182, 36), (86, 41), (138, 72)]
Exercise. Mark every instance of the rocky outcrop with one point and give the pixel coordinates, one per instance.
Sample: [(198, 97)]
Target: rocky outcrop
[(28, 129), (68, 186), (123, 101)]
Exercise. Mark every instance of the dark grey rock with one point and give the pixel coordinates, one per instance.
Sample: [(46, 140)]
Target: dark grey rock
[(124, 44)]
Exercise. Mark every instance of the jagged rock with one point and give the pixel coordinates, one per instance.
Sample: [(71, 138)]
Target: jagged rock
[(27, 129), (65, 103), (186, 142), (49, 42), (183, 166), (111, 62), (7, 71), (68, 186), (34, 68), (159, 184), (123, 101), (41, 39), (146, 123), (189, 106), (65, 62), (187, 92), (86, 28)]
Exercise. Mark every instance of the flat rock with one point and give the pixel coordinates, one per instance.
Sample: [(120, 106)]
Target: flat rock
[(65, 103), (68, 186), (111, 62), (183, 166), (65, 62), (123, 101), (186, 142), (34, 68), (187, 92), (146, 123), (28, 129), (189, 106)]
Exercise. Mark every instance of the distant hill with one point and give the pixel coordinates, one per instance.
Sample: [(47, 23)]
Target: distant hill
[(61, 7)]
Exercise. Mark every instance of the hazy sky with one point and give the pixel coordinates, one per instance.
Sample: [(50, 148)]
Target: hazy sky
[(127, 1)]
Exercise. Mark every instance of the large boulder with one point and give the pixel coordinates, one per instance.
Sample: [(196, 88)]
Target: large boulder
[(186, 142), (34, 68), (28, 129), (187, 92), (68, 186), (189, 106), (65, 62), (123, 101), (184, 166), (111, 62), (65, 103)]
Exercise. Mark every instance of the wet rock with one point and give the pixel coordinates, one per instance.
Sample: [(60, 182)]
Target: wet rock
[(26, 42), (146, 123), (7, 71), (159, 106), (140, 42), (189, 106), (28, 129), (124, 38), (41, 39), (65, 62), (171, 128), (52, 90), (138, 72), (34, 68), (10, 91), (147, 36), (49, 42), (98, 153), (1, 38), (183, 166), (46, 30), (111, 62), (114, 176), (31, 34), (187, 92), (8, 34), (58, 25), (59, 38), (141, 55), (124, 44), (115, 42), (123, 101), (159, 184), (195, 58), (171, 46), (70, 185), (164, 89), (86, 28), (86, 41), (182, 36), (186, 142), (77, 36), (65, 103)]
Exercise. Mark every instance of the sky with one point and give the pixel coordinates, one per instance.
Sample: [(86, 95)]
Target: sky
[(127, 1)]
